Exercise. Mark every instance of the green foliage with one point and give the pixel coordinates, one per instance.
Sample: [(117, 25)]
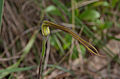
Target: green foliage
[(114, 2), (101, 3), (113, 37), (61, 43), (83, 50), (87, 30), (75, 53), (60, 68), (68, 39), (53, 42), (17, 69), (53, 10), (89, 14), (106, 25)]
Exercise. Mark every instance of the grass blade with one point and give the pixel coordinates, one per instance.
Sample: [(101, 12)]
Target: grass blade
[(17, 69), (25, 52), (1, 11)]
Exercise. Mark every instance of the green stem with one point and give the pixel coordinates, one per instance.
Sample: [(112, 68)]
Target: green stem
[(42, 58)]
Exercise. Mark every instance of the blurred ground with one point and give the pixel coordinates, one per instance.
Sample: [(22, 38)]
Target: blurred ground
[(20, 19)]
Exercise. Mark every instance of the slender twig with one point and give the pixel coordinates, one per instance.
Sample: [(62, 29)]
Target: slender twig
[(47, 54), (83, 3), (73, 27), (42, 56)]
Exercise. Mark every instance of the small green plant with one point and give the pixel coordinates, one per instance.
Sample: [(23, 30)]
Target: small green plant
[(46, 31)]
